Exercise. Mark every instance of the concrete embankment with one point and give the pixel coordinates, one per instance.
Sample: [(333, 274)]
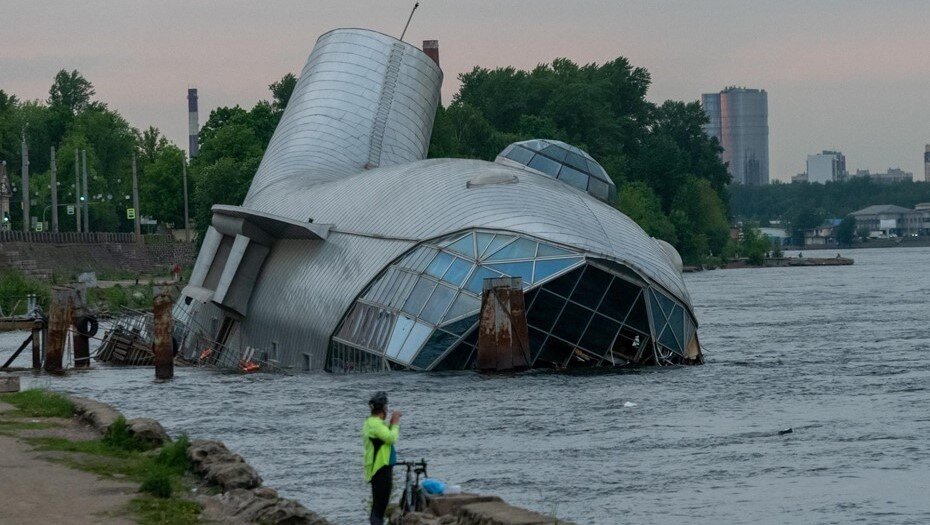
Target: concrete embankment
[(783, 262)]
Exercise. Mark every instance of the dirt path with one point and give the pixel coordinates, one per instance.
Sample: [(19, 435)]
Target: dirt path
[(36, 490)]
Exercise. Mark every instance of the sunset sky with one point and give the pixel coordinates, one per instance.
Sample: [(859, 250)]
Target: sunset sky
[(847, 75)]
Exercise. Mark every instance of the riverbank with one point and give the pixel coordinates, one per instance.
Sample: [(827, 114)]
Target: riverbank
[(779, 262), (67, 459)]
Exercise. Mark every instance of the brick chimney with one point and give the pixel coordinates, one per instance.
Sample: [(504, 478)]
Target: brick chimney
[(431, 48)]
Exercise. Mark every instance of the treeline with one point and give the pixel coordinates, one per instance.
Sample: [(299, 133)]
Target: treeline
[(668, 172), (806, 205), (70, 119)]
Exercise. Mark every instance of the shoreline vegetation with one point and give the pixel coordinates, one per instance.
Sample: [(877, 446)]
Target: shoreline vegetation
[(155, 480), (109, 469)]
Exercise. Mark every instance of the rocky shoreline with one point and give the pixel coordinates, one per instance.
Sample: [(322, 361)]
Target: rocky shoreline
[(242, 499), (232, 490)]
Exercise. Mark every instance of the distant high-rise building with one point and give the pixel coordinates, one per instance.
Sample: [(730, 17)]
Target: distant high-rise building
[(193, 124), (739, 118), (927, 163), (829, 166)]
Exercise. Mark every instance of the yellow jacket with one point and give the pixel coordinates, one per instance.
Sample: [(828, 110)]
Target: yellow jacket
[(379, 441)]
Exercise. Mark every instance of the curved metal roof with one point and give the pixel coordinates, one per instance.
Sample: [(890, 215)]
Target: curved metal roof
[(430, 198)]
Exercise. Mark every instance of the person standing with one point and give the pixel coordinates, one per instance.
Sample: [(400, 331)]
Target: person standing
[(380, 456)]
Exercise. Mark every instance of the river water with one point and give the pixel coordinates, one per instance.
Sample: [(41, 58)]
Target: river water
[(838, 354)]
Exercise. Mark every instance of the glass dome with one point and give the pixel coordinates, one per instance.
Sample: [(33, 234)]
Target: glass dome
[(563, 162)]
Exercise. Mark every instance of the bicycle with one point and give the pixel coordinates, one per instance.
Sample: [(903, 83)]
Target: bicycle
[(413, 499)]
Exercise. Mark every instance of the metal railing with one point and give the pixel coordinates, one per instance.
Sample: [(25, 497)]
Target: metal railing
[(82, 238)]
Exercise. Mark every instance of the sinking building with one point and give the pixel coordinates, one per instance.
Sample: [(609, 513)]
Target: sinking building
[(352, 252)]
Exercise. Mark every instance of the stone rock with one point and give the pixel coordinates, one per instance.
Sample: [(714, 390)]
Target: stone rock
[(450, 504), (218, 465), (264, 506), (232, 475), (9, 384), (500, 513), (98, 415), (148, 430)]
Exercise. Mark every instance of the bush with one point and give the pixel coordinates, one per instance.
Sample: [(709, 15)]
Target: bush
[(40, 403), (157, 482), (15, 286), (173, 456), (119, 437)]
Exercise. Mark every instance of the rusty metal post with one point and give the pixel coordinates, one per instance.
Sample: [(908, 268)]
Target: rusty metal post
[(80, 342), (59, 319), (162, 345), (503, 335)]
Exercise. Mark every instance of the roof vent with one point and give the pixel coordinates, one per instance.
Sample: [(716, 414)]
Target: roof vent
[(490, 179), (561, 161)]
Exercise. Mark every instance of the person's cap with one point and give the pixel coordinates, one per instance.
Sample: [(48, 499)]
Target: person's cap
[(378, 401)]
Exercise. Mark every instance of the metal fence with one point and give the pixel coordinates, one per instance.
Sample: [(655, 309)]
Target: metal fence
[(83, 238)]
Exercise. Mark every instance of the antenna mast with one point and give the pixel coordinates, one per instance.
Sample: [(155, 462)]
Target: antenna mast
[(415, 6)]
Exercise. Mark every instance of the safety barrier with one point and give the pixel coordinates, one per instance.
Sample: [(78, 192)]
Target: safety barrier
[(82, 238)]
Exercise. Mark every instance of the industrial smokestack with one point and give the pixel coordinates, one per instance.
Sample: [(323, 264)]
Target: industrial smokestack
[(431, 48), (193, 122)]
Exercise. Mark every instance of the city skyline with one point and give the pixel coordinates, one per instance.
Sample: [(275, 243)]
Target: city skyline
[(853, 85)]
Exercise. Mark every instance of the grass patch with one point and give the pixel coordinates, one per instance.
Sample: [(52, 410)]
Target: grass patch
[(39, 403), (10, 427), (160, 511), (118, 437)]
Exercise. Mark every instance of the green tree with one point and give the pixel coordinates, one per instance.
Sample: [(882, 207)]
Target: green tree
[(846, 231), (71, 91), (281, 92), (640, 203), (754, 245)]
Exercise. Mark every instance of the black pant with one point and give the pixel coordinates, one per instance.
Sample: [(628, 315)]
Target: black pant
[(380, 493)]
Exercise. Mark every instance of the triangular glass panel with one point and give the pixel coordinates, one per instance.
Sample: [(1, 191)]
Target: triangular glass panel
[(484, 239), (667, 304), (497, 243), (520, 249), (450, 240), (669, 340), (516, 269), (464, 304), (548, 250), (465, 246), (547, 267), (475, 283), (638, 318)]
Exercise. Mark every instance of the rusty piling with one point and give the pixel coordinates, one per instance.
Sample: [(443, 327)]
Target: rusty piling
[(503, 335), (59, 319), (162, 345)]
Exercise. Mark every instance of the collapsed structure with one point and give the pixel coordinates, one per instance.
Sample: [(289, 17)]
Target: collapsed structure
[(352, 252)]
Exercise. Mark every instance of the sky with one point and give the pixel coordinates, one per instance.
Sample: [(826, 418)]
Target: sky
[(850, 75)]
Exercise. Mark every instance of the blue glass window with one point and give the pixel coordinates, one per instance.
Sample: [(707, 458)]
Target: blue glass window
[(465, 246), (599, 189), (418, 296), (476, 282), (418, 335), (497, 243), (399, 335), (458, 271), (545, 165), (574, 178), (437, 304), (548, 250), (484, 239), (547, 267), (577, 161), (464, 304), (519, 154), (556, 152), (519, 249), (516, 269), (439, 265)]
